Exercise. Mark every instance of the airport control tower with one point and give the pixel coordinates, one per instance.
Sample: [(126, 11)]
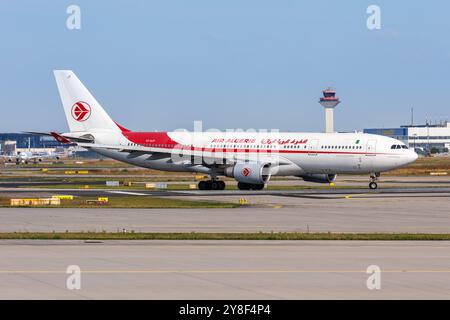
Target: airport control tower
[(329, 101)]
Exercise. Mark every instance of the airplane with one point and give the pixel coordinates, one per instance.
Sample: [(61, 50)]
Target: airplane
[(34, 157), (251, 158), (31, 156)]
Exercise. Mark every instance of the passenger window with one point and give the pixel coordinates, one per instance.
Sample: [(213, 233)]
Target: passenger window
[(393, 146)]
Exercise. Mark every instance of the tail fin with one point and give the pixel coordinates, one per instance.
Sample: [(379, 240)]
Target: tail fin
[(82, 111)]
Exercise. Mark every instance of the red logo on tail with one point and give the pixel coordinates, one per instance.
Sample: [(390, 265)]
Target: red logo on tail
[(81, 111)]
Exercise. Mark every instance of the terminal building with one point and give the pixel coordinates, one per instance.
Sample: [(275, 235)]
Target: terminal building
[(26, 140), (426, 137), (11, 143)]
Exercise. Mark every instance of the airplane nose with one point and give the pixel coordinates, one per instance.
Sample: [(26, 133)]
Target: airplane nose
[(412, 156)]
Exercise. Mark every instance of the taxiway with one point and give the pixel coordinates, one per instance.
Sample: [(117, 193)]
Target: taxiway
[(224, 269)]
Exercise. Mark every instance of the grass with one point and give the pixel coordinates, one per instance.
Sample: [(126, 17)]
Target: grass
[(103, 186), (133, 202), (423, 166), (224, 236)]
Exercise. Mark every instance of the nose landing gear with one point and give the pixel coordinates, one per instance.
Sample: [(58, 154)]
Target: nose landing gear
[(373, 180)]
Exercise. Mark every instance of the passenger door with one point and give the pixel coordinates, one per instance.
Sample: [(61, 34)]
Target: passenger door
[(371, 147), (368, 160), (313, 147)]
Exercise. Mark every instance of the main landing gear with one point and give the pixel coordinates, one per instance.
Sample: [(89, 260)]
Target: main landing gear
[(373, 180), (250, 186), (220, 185), (211, 185)]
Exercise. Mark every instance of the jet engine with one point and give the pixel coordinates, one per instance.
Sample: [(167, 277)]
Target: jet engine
[(250, 173), (319, 177)]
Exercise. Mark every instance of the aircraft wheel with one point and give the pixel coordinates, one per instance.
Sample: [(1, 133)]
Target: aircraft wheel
[(373, 185), (211, 185), (202, 185), (215, 185), (250, 186), (243, 186), (258, 186)]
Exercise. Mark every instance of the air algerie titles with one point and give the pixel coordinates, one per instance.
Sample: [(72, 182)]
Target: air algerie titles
[(263, 141)]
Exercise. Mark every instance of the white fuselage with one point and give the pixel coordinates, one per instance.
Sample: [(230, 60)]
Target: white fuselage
[(299, 153)]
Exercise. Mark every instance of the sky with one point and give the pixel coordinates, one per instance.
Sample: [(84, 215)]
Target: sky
[(161, 65)]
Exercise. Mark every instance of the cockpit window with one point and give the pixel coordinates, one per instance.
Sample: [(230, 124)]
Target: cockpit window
[(398, 146)]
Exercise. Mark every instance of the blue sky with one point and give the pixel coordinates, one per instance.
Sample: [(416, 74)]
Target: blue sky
[(160, 65)]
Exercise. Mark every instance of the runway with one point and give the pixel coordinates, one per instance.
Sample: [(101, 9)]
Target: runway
[(224, 269)]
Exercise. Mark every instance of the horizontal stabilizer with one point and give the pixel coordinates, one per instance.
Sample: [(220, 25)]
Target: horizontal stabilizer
[(63, 138)]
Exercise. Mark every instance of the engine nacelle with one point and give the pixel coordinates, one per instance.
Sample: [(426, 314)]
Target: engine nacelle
[(319, 177), (253, 173)]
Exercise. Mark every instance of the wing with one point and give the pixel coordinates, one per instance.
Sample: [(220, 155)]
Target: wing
[(214, 158), (209, 159)]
